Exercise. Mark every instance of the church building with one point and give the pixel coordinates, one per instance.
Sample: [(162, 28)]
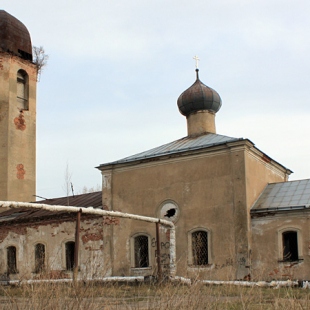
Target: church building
[(236, 215)]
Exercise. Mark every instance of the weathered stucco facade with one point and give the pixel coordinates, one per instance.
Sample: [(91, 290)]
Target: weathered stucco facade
[(18, 77), (268, 246), (211, 191), (236, 216), (53, 235)]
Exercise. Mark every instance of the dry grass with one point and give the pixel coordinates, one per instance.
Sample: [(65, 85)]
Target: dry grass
[(150, 296)]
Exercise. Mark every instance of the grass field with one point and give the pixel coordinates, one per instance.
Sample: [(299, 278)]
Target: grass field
[(150, 296)]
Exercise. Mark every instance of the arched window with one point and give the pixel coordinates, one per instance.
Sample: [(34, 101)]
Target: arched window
[(290, 246), (11, 260), (70, 246), (22, 90), (200, 248), (141, 251), (39, 257)]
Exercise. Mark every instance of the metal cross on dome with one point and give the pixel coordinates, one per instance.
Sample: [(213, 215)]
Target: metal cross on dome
[(196, 60)]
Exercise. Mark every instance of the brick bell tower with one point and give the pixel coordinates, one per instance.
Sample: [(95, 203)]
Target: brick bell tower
[(18, 79)]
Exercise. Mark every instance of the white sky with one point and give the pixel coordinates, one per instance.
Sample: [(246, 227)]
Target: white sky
[(116, 69)]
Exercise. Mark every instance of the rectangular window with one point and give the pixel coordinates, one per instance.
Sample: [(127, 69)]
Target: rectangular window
[(200, 248), (290, 246), (70, 246), (11, 260), (141, 249), (39, 257)]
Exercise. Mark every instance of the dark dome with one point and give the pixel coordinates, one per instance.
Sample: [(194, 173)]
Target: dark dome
[(14, 36), (199, 97)]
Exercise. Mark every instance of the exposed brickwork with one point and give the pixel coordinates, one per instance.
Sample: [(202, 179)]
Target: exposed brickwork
[(20, 174), (20, 122), (20, 230), (109, 220)]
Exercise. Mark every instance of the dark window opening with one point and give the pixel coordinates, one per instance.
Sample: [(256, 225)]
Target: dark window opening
[(70, 255), (11, 260), (290, 246), (39, 258), (141, 248), (22, 90), (200, 248), (25, 55), (170, 212)]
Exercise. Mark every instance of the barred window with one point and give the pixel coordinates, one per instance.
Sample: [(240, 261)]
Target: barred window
[(141, 251), (70, 246), (290, 246), (39, 257), (22, 90), (200, 248), (11, 260)]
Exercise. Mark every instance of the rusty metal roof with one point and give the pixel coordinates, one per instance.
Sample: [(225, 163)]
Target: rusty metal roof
[(199, 97), (84, 200), (30, 215), (14, 36), (179, 146), (286, 195)]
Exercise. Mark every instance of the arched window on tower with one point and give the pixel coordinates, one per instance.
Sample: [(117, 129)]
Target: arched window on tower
[(39, 258), (22, 90), (11, 260)]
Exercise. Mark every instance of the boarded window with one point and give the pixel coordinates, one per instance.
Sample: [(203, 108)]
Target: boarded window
[(11, 259), (200, 248), (22, 90), (290, 246), (70, 255), (141, 249), (39, 257)]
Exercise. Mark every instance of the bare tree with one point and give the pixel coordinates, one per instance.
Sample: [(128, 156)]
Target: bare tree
[(67, 184), (86, 189), (39, 59)]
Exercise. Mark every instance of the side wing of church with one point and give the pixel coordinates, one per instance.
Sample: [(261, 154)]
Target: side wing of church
[(236, 215)]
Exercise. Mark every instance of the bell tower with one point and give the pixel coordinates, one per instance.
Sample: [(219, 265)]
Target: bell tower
[(18, 79)]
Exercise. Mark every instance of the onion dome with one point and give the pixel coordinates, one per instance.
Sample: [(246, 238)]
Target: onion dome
[(14, 37), (199, 97)]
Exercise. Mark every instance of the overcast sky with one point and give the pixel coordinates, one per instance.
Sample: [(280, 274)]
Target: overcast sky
[(116, 69)]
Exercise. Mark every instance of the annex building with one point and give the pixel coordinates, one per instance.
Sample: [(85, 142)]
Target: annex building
[(236, 214)]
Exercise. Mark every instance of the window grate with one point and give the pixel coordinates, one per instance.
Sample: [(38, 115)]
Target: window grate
[(200, 248), (141, 246)]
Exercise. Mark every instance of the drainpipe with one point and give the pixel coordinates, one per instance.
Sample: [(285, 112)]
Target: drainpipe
[(159, 274)]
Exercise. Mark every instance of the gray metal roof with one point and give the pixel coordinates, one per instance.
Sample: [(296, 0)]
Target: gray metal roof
[(290, 194), (178, 146)]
